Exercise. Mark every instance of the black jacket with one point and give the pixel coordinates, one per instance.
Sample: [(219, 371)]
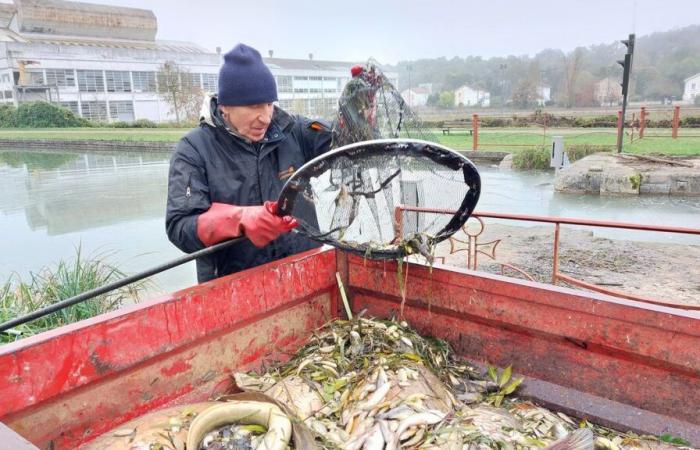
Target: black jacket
[(211, 164)]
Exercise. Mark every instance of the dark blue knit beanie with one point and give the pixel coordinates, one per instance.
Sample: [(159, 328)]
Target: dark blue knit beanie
[(244, 79)]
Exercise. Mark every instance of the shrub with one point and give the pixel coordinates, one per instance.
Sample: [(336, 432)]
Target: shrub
[(691, 122), (8, 116), (46, 115), (532, 159), (144, 123), (578, 151)]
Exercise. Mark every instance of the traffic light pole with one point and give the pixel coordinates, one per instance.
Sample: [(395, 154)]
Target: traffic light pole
[(627, 66)]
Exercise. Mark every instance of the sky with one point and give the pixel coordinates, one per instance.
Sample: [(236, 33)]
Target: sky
[(392, 31)]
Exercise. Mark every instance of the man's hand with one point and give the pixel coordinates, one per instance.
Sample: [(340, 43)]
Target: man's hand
[(260, 224)]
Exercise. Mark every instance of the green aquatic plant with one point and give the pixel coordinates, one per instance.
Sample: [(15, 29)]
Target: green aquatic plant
[(52, 284)]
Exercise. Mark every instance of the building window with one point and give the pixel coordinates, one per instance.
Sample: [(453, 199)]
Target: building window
[(8, 95), (95, 111), (210, 82), (118, 81), (301, 78), (144, 81), (301, 91), (90, 81), (36, 77), (285, 104), (5, 77), (122, 110), (60, 77), (73, 106), (284, 83), (191, 79), (692, 86)]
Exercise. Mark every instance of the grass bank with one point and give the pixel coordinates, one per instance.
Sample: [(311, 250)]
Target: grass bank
[(97, 134), (517, 139), (497, 139)]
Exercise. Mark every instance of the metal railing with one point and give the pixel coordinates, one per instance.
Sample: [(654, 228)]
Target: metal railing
[(474, 247)]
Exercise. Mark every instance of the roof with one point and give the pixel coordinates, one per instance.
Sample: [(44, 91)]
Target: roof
[(7, 11), (307, 64), (691, 77), (79, 41), (60, 17)]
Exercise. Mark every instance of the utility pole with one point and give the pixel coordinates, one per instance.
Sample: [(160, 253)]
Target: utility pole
[(410, 92), (627, 69)]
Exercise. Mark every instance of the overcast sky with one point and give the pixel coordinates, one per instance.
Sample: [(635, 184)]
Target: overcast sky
[(391, 31)]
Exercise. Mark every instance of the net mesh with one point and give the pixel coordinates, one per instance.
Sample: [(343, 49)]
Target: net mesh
[(363, 196), (371, 107)]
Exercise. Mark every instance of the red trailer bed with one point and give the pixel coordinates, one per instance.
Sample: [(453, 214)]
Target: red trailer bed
[(623, 363)]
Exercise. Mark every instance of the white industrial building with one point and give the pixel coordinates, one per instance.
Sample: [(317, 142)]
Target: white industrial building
[(102, 63)]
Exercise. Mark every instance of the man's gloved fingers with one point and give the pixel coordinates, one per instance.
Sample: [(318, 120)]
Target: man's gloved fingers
[(271, 207), (289, 223)]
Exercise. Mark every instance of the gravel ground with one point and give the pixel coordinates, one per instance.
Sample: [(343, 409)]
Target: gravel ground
[(662, 272)]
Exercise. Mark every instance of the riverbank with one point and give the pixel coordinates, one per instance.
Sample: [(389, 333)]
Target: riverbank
[(490, 139), (606, 174), (646, 269)]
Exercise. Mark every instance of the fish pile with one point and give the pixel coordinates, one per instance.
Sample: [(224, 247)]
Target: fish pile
[(373, 384)]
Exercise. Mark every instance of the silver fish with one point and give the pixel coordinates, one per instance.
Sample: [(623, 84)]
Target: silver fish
[(581, 439)]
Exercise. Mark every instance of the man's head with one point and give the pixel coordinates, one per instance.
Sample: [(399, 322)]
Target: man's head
[(246, 92)]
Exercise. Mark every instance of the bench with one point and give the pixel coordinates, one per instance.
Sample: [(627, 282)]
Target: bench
[(457, 125)]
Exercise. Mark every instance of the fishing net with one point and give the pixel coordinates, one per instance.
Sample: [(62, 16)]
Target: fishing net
[(370, 107), (386, 190), (383, 198)]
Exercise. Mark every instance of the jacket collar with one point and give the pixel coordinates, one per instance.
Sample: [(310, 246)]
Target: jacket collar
[(211, 116)]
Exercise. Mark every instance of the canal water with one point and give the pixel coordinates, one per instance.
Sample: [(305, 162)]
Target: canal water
[(112, 206)]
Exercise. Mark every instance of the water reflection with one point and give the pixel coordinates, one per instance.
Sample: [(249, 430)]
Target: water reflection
[(100, 202), (51, 203)]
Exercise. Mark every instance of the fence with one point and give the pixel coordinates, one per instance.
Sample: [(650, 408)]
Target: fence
[(536, 129), (468, 241)]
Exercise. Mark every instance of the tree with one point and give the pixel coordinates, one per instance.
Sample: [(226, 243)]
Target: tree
[(181, 91), (573, 69), (447, 99)]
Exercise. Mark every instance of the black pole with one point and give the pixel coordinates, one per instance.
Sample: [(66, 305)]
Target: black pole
[(627, 66), (116, 285)]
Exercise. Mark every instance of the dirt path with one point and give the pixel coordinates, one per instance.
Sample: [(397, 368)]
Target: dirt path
[(665, 272)]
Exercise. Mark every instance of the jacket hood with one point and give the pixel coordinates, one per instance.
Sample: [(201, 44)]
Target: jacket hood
[(210, 115)]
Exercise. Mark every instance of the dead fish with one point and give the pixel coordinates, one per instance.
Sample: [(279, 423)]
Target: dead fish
[(425, 418), (376, 397), (581, 439), (375, 439), (399, 413)]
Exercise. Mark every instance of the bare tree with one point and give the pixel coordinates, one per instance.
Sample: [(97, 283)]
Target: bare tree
[(574, 62), (181, 90)]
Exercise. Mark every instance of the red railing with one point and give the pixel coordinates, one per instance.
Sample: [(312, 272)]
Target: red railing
[(472, 245)]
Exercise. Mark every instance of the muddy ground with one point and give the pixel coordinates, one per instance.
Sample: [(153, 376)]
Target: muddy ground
[(665, 272)]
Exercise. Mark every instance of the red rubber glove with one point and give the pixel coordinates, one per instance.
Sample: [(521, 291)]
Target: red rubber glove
[(260, 224)]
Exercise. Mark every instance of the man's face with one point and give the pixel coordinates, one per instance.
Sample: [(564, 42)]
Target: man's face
[(249, 121)]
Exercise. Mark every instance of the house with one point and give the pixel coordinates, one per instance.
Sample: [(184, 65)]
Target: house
[(691, 89), (416, 96), (608, 91), (467, 96), (544, 94)]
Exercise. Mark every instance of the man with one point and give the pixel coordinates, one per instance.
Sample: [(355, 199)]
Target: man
[(226, 174)]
